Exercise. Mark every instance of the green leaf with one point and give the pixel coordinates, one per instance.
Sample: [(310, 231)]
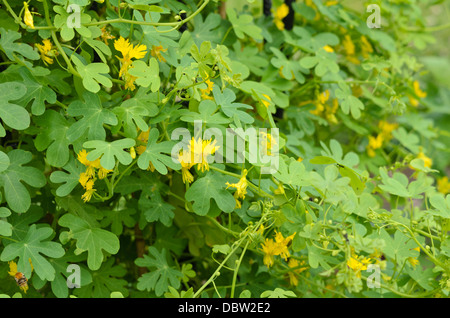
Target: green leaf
[(93, 74), (13, 115), (147, 75), (161, 274), (5, 227), (30, 248), (16, 194), (94, 117), (441, 204), (206, 114), (211, 186), (53, 137), (348, 102), (7, 45), (132, 111), (293, 173), (155, 153), (396, 185), (90, 237), (399, 247), (67, 32), (4, 161), (36, 91), (155, 209), (70, 179), (107, 151), (289, 69), (243, 24), (117, 219), (225, 100), (278, 293), (107, 279)]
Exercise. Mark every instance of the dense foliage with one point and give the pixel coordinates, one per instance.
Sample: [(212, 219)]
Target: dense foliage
[(93, 94)]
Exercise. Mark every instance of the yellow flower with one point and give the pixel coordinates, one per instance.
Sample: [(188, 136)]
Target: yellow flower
[(386, 129), (268, 248), (427, 162), (358, 263), (443, 186), (366, 47), (84, 178), (128, 52), (374, 143), (47, 51), (28, 17), (281, 12), (295, 264), (205, 92), (282, 244), (88, 195), (328, 48), (413, 260), (201, 150), (241, 188), (331, 3), (419, 93), (106, 35), (133, 153), (156, 52), (89, 185), (266, 101), (349, 46), (102, 172), (184, 157), (267, 142), (90, 165)]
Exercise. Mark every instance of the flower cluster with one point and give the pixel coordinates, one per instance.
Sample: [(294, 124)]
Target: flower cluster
[(129, 52), (277, 247), (88, 178), (323, 109), (383, 136), (241, 188), (198, 152)]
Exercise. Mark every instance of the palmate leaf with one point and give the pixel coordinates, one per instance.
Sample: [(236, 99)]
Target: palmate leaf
[(37, 92), (156, 153), (94, 116), (243, 24), (206, 114), (8, 45), (211, 186), (161, 274), (13, 115), (131, 112), (5, 227), (93, 74), (106, 280), (53, 137), (30, 248), (16, 194), (69, 178), (90, 237), (59, 284), (225, 100), (147, 75), (289, 69), (155, 209), (110, 150)]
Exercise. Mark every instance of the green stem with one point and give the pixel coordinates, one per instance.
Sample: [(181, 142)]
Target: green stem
[(236, 270)]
